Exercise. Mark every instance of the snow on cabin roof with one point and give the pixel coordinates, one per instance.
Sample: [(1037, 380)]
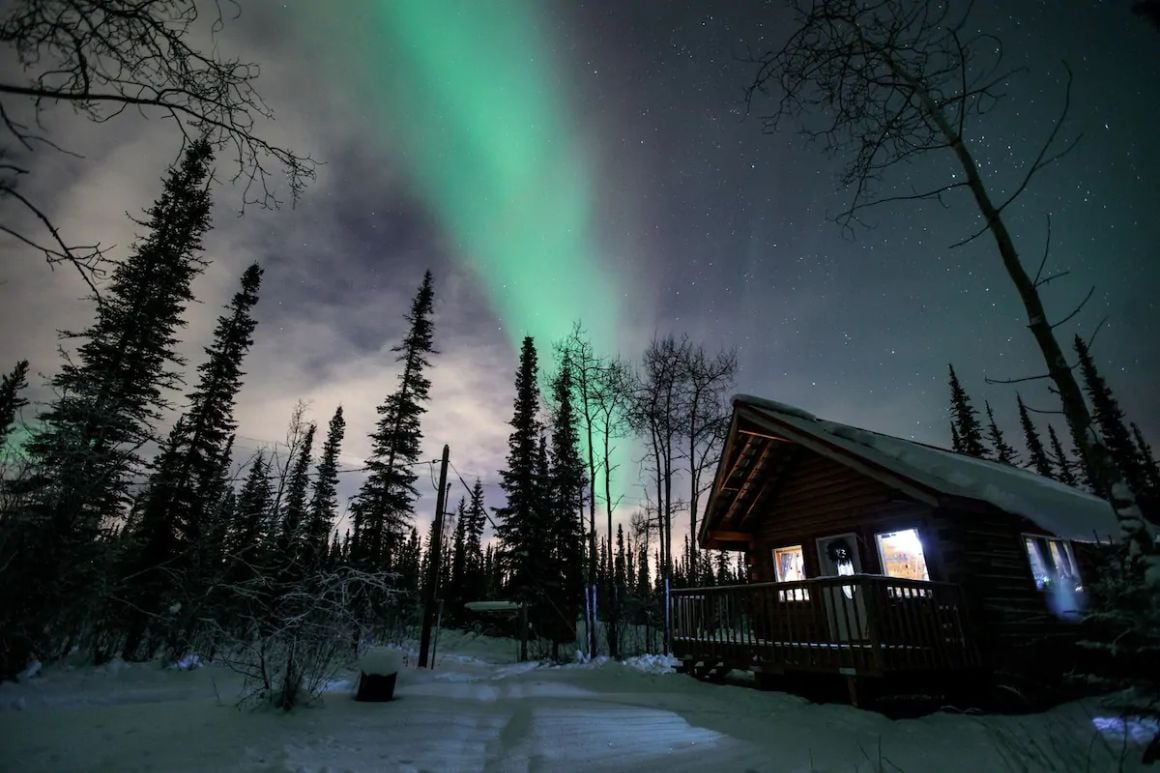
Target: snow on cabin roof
[(1053, 506)]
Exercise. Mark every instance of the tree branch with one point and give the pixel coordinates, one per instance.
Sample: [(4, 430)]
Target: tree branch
[(1077, 309)]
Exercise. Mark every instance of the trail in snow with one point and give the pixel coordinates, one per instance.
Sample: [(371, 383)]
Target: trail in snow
[(475, 712)]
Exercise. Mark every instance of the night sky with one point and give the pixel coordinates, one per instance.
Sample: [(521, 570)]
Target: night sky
[(556, 161)]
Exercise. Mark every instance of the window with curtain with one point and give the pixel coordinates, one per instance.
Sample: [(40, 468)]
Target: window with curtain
[(788, 566)]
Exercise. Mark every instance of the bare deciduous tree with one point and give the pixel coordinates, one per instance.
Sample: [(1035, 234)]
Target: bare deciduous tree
[(106, 57), (896, 80), (612, 395), (577, 349), (706, 382), (656, 415)]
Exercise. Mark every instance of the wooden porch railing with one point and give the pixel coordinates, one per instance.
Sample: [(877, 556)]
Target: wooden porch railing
[(854, 625)]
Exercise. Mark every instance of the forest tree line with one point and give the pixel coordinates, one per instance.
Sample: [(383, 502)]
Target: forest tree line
[(981, 435), (111, 549)]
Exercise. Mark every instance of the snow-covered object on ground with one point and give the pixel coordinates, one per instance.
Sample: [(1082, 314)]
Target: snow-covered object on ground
[(1053, 506), (380, 661), (188, 662), (31, 670)]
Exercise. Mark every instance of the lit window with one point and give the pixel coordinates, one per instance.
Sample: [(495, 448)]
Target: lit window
[(1052, 563), (789, 566), (788, 563), (902, 556)]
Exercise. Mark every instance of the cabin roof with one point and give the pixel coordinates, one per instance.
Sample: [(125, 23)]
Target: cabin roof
[(1052, 506)]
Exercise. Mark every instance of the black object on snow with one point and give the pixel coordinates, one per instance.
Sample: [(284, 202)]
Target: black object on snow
[(376, 687)]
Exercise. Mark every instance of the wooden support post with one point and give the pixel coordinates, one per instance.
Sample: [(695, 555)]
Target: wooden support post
[(852, 686), (523, 632), (433, 569)]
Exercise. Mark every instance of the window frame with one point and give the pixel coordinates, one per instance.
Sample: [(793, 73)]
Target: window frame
[(882, 558), (792, 594), (1049, 549)]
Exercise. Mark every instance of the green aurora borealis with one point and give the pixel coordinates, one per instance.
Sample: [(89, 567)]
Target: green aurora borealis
[(474, 108), (484, 131)]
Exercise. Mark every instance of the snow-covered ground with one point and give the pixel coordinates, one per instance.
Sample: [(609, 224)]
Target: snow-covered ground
[(479, 711)]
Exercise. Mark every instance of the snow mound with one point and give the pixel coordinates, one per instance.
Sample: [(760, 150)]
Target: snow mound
[(31, 670), (653, 664), (380, 661), (187, 662)]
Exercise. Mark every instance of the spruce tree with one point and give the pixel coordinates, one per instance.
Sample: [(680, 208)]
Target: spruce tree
[(292, 530), (110, 396), (1151, 470), (1063, 464), (724, 571), (966, 420), (457, 584), (407, 564), (323, 506), (1037, 454), (166, 557), (1002, 451), (475, 575), (11, 385), (568, 487), (386, 501), (620, 565), (1110, 420), (244, 540), (521, 524), (643, 583)]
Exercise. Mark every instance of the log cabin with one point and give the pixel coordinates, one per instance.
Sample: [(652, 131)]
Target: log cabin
[(881, 559)]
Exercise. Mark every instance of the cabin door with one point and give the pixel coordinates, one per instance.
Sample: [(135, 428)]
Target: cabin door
[(845, 605)]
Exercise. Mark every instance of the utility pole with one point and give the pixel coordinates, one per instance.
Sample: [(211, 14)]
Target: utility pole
[(433, 564)]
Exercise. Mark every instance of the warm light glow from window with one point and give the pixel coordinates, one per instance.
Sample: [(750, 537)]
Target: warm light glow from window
[(789, 566), (902, 555), (788, 563)]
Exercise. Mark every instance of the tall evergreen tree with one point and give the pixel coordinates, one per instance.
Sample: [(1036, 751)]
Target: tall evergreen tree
[(643, 582), (1111, 423), (386, 502), (457, 586), (109, 399), (322, 510), (1036, 452), (567, 490), (245, 543), (166, 547), (475, 575), (292, 530), (11, 385), (408, 561), (1063, 464), (522, 527), (1151, 470), (1002, 450), (966, 420), (620, 565)]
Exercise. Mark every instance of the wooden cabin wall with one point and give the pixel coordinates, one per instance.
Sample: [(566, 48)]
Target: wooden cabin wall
[(985, 553), (821, 498)]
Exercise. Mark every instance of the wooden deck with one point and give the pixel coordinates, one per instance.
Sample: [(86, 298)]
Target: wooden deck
[(859, 625)]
